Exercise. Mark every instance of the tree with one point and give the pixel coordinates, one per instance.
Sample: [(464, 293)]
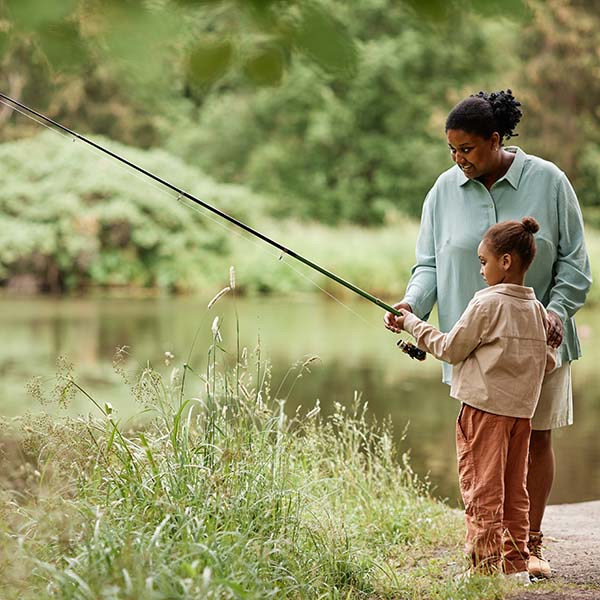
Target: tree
[(337, 109), (561, 57), (335, 148)]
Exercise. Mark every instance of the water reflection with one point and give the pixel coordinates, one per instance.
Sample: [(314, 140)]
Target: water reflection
[(356, 354)]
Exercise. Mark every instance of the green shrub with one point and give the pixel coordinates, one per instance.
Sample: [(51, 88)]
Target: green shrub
[(71, 218)]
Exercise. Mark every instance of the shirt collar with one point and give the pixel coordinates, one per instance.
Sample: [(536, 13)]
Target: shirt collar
[(510, 289), (513, 175)]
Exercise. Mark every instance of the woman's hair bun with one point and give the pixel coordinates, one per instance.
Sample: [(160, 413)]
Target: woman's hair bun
[(530, 225)]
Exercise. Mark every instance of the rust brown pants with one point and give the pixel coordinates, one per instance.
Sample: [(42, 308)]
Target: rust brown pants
[(492, 453)]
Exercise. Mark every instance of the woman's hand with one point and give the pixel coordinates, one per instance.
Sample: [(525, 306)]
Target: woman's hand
[(554, 331), (394, 323)]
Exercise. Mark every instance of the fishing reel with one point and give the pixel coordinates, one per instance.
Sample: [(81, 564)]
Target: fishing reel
[(411, 350)]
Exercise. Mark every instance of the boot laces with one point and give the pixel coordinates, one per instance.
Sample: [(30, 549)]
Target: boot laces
[(535, 546)]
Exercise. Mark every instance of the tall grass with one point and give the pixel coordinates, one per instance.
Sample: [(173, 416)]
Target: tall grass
[(378, 259), (219, 493)]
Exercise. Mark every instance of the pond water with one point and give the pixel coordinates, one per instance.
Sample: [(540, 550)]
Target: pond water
[(356, 354)]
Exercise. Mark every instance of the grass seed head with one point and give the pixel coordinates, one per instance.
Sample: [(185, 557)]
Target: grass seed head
[(218, 296), (215, 330), (314, 411), (118, 362), (64, 390)]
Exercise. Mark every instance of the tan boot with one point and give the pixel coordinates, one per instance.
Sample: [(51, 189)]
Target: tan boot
[(537, 565)]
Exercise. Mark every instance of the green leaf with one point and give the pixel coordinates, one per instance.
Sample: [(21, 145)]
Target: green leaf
[(33, 14), (326, 41), (266, 67), (208, 61), (63, 47), (438, 11), (138, 38)]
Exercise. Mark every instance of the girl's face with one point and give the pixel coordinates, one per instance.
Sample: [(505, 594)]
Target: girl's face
[(493, 268), (474, 155)]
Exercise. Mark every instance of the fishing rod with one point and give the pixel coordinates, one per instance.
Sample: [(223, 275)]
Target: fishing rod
[(406, 347)]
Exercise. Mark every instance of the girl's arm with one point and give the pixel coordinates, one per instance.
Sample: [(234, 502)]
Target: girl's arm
[(454, 346)]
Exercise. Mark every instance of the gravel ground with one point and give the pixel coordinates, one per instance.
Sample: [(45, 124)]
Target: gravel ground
[(572, 545)]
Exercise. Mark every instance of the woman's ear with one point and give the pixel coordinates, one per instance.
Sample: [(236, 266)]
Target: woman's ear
[(506, 261), (495, 141)]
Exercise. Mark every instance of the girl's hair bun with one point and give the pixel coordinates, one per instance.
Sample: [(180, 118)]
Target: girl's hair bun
[(530, 225)]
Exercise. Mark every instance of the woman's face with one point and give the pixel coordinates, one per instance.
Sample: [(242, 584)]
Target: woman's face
[(474, 155)]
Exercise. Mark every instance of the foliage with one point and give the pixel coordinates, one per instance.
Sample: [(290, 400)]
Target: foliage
[(561, 90), (378, 260), (220, 494), (364, 76), (255, 37), (337, 110), (71, 218), (350, 149), (560, 54)]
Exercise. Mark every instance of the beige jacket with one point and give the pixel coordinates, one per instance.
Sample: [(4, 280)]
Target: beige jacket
[(498, 347)]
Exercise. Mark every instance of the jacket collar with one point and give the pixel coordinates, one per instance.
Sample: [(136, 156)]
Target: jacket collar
[(509, 289)]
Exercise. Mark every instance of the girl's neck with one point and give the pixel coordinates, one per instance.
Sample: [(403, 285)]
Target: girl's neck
[(517, 278)]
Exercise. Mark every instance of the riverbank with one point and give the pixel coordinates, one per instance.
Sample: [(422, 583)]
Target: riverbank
[(224, 495), (97, 233), (219, 494)]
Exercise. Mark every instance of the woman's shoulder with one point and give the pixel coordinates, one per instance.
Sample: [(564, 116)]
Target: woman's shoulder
[(447, 179), (540, 166)]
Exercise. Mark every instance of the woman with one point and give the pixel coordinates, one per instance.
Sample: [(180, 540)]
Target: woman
[(491, 183)]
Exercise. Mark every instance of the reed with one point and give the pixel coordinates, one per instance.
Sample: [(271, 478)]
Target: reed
[(217, 492)]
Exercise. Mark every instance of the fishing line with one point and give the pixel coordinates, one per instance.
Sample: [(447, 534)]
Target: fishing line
[(281, 258), (137, 170), (17, 109), (203, 213)]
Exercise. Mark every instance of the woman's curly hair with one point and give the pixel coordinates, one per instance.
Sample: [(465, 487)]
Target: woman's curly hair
[(484, 113)]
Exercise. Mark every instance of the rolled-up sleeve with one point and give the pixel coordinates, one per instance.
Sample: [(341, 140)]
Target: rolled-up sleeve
[(572, 273), (421, 292)]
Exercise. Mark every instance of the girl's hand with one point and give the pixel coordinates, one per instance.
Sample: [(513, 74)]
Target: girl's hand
[(394, 323), (554, 331), (400, 320)]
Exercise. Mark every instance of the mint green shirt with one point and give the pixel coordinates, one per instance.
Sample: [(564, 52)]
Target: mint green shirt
[(457, 212)]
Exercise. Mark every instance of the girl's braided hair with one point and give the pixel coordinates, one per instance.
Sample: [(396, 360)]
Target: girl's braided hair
[(484, 113)]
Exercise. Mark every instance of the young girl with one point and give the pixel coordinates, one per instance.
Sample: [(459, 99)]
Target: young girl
[(499, 352)]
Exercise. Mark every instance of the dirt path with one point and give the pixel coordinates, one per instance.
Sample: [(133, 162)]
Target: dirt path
[(572, 542)]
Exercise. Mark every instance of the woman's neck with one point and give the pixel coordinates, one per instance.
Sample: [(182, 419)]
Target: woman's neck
[(505, 159)]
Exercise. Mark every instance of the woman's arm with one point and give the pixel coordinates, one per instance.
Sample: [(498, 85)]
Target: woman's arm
[(421, 292), (573, 277)]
